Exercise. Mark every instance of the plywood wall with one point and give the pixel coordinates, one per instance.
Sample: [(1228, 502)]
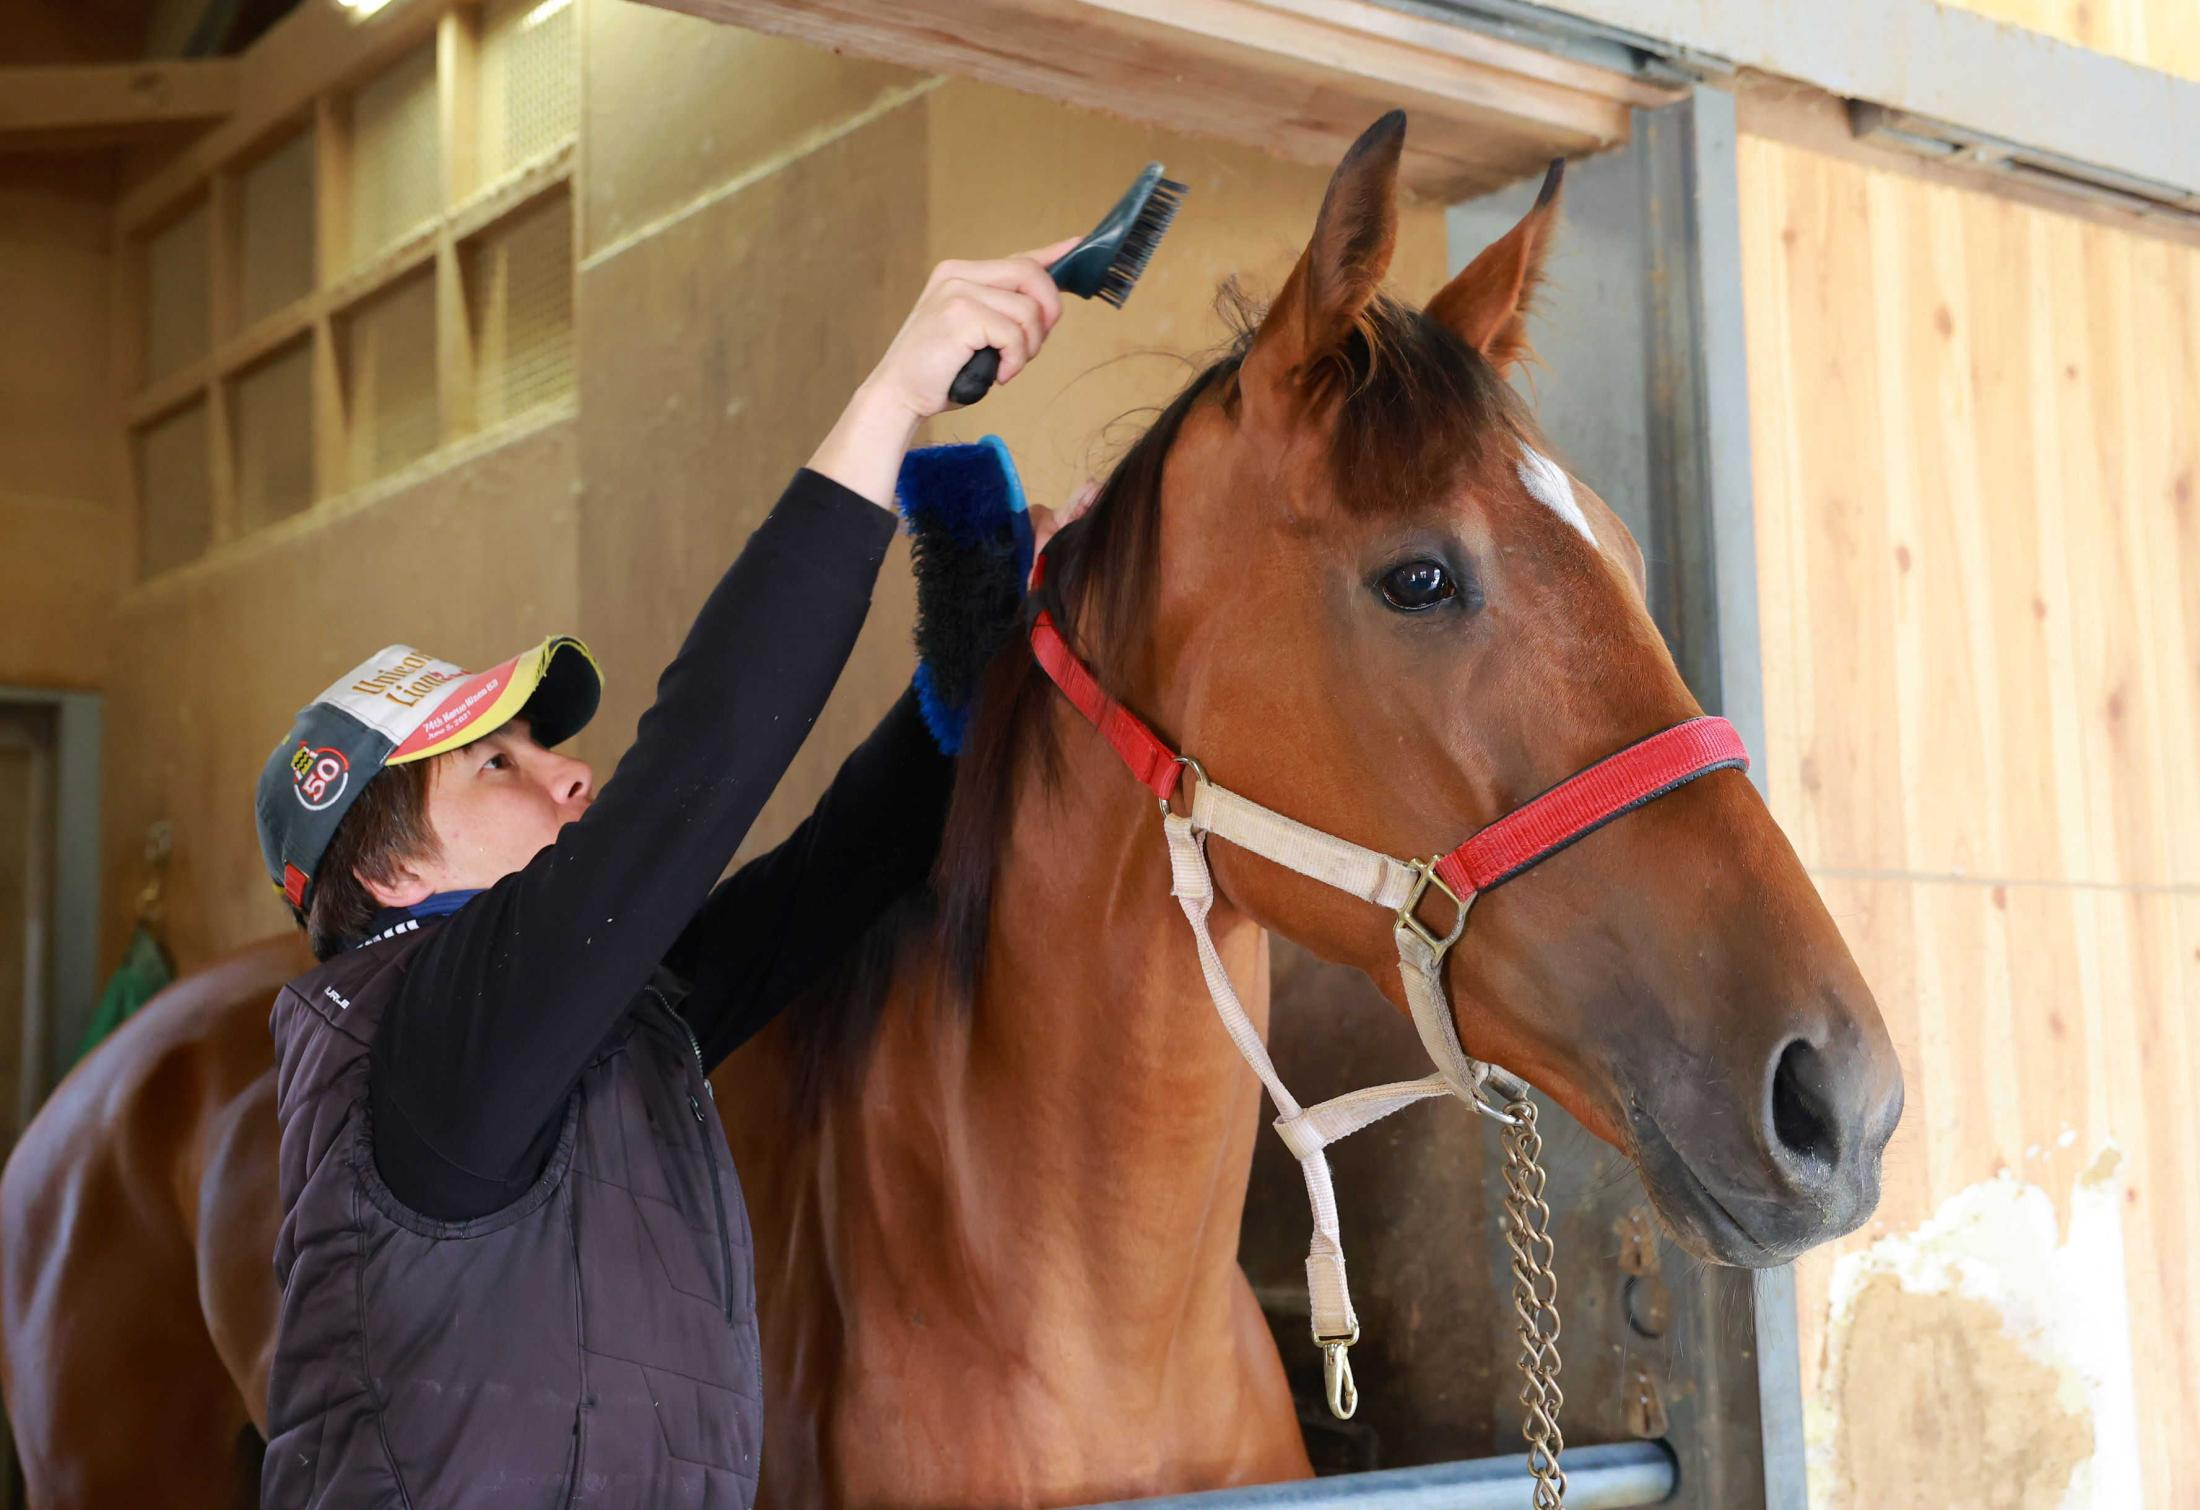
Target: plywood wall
[(747, 254), (2163, 34), (470, 564), (64, 540), (744, 255), (1977, 442)]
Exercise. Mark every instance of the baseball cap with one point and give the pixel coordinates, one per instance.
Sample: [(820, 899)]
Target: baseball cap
[(396, 706)]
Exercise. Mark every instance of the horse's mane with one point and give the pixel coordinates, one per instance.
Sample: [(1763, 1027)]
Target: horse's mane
[(1413, 407)]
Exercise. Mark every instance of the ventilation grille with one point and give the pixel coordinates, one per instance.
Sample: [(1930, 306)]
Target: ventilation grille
[(179, 276), (271, 414), (275, 229), (389, 378), (519, 290), (396, 162), (530, 80), (176, 488)]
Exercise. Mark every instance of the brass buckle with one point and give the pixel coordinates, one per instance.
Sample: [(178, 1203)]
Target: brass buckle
[(1425, 876), (1344, 1395)]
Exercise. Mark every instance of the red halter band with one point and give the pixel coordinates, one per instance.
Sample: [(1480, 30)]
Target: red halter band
[(1529, 834)]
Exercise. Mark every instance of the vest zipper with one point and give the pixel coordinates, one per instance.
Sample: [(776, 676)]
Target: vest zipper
[(710, 1161)]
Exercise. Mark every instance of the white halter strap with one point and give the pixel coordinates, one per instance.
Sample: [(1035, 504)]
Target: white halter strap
[(1642, 772), (1308, 1130)]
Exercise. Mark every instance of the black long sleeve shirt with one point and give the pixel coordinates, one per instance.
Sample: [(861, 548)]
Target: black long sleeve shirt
[(506, 1002)]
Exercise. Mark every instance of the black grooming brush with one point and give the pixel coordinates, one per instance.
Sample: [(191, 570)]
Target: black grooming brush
[(1105, 265)]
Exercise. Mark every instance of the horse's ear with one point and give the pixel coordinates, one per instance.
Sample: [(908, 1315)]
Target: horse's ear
[(1487, 304), (1343, 265)]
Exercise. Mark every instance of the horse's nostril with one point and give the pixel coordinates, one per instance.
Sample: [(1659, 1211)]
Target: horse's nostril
[(1802, 1122)]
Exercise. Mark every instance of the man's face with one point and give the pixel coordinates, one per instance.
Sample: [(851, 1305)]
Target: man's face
[(494, 804)]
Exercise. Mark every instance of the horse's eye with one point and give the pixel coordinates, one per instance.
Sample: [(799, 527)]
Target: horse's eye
[(1418, 586)]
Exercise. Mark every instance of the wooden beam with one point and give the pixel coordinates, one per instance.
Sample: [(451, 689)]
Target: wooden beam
[(508, 194), (158, 399), (1300, 78), (72, 105)]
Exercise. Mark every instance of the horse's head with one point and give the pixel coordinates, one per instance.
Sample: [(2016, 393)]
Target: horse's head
[(1383, 610)]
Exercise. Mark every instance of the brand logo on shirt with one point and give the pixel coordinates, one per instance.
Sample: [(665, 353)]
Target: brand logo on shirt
[(320, 776), (334, 995)]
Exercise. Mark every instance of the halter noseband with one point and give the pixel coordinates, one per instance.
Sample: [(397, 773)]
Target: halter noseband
[(1524, 837)]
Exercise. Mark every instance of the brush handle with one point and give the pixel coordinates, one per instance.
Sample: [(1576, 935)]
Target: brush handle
[(976, 377)]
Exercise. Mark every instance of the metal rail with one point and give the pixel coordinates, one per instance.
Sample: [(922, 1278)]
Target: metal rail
[(1597, 1478)]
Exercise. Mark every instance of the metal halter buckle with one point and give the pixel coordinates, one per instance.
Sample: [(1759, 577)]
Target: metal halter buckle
[(1344, 1395), (1185, 762), (1425, 876)]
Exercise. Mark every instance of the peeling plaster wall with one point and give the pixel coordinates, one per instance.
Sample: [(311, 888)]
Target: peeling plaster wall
[(2005, 1325), (1975, 456)]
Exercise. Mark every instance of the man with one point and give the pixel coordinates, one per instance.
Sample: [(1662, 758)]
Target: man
[(514, 1254)]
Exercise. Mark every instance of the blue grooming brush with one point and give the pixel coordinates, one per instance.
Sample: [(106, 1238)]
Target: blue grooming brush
[(970, 542)]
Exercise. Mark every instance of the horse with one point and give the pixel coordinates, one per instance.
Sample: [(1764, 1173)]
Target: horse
[(996, 1165), (137, 1252), (996, 1172)]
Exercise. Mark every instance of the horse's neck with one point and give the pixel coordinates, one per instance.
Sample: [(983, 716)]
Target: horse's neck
[(1120, 1118)]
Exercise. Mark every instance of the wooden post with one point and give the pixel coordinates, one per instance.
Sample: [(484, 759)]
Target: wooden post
[(331, 257), (458, 96), (224, 233), (126, 372)]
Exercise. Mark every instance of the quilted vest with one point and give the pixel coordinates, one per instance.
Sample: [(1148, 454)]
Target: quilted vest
[(592, 1344)]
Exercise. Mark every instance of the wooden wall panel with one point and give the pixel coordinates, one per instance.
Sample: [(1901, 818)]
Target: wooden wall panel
[(222, 653), (2162, 34), (1976, 430), (785, 257), (67, 544)]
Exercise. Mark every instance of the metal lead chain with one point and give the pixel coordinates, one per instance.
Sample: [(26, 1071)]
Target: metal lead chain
[(1535, 1302)]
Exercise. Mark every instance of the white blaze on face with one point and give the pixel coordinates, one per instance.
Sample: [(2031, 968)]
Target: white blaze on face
[(1547, 483)]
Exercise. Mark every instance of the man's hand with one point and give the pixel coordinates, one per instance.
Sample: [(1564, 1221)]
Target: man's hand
[(1010, 304)]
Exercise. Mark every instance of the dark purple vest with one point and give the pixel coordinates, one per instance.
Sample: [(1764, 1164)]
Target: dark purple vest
[(592, 1344)]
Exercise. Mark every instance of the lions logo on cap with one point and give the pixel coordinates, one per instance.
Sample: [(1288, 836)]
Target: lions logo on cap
[(320, 776)]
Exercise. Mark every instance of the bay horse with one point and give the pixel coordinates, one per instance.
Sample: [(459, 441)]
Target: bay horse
[(997, 1172), (996, 1168), (137, 1252)]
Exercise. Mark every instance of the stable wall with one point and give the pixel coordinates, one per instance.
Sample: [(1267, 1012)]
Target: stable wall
[(1975, 456), (750, 252), (64, 540), (471, 562), (755, 218)]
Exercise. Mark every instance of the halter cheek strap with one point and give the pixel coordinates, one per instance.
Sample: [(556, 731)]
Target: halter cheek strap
[(1531, 833)]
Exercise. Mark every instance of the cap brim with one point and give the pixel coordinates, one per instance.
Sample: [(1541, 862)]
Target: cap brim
[(556, 686)]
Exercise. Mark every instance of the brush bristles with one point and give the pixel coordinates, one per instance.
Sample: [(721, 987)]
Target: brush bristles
[(1139, 241)]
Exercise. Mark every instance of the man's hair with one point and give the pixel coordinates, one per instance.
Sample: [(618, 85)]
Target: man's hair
[(386, 828)]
